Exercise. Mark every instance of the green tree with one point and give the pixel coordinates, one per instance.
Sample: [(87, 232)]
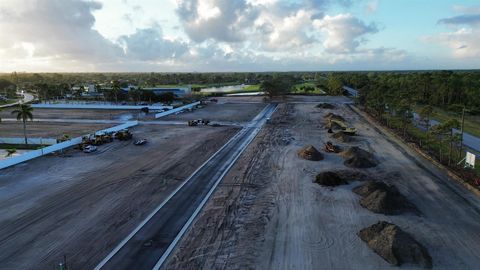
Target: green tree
[(446, 132), (335, 85), (425, 114), (24, 112)]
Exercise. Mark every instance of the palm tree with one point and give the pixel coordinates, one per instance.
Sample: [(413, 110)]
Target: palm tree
[(24, 112), (10, 152)]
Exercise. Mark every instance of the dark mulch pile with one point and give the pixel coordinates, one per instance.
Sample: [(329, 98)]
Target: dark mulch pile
[(356, 157), (379, 197), (394, 245)]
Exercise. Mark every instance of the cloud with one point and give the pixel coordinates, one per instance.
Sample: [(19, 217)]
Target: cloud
[(57, 29), (222, 20), (150, 45), (465, 19), (463, 43), (372, 6), (464, 40), (344, 32)]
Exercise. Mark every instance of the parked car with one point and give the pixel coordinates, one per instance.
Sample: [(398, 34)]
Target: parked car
[(140, 142), (89, 149)]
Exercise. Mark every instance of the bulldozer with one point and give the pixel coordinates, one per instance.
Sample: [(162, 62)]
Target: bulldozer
[(192, 123), (123, 135)]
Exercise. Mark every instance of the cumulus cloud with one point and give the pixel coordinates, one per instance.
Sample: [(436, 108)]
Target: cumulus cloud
[(344, 32), (55, 29), (222, 20), (149, 45), (464, 39)]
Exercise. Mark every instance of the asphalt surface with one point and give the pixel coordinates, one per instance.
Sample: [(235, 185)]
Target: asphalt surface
[(149, 245)]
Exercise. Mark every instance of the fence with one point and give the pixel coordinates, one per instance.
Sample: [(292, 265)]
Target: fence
[(40, 141), (56, 147), (191, 105)]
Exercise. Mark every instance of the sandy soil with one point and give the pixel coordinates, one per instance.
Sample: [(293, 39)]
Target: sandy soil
[(82, 205), (268, 214), (290, 98), (49, 129), (221, 112)]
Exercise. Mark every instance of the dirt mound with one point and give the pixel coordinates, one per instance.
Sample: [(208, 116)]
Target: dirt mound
[(339, 177), (394, 245), (342, 137), (325, 106), (356, 157), (330, 179), (379, 197), (330, 116), (310, 153)]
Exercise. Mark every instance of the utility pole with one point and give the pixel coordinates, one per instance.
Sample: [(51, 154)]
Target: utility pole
[(461, 131)]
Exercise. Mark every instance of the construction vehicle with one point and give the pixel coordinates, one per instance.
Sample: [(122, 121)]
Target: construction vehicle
[(123, 135), (193, 123), (140, 142), (347, 130)]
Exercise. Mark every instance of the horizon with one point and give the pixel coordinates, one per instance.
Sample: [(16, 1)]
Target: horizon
[(208, 36)]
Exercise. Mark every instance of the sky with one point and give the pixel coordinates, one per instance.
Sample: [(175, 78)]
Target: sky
[(237, 35)]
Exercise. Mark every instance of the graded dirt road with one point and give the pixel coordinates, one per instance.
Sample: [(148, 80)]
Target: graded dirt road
[(268, 214), (82, 205), (221, 112), (151, 244)]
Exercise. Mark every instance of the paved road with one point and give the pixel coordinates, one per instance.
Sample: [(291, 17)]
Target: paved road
[(26, 98), (148, 246), (469, 140)]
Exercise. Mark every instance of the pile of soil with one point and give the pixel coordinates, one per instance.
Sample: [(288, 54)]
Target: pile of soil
[(310, 153), (394, 245), (339, 177), (379, 197), (356, 157), (325, 106), (342, 137), (330, 179), (329, 116)]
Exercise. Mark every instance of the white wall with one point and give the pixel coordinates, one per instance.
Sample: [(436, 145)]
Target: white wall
[(56, 147), (158, 115)]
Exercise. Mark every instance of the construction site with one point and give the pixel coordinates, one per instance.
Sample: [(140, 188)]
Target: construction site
[(302, 182)]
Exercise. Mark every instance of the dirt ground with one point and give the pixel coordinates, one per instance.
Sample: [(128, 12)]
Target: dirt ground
[(38, 113), (268, 214), (228, 112), (49, 129), (82, 205), (290, 98)]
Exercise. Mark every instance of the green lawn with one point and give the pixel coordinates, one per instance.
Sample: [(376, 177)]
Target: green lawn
[(297, 88)]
